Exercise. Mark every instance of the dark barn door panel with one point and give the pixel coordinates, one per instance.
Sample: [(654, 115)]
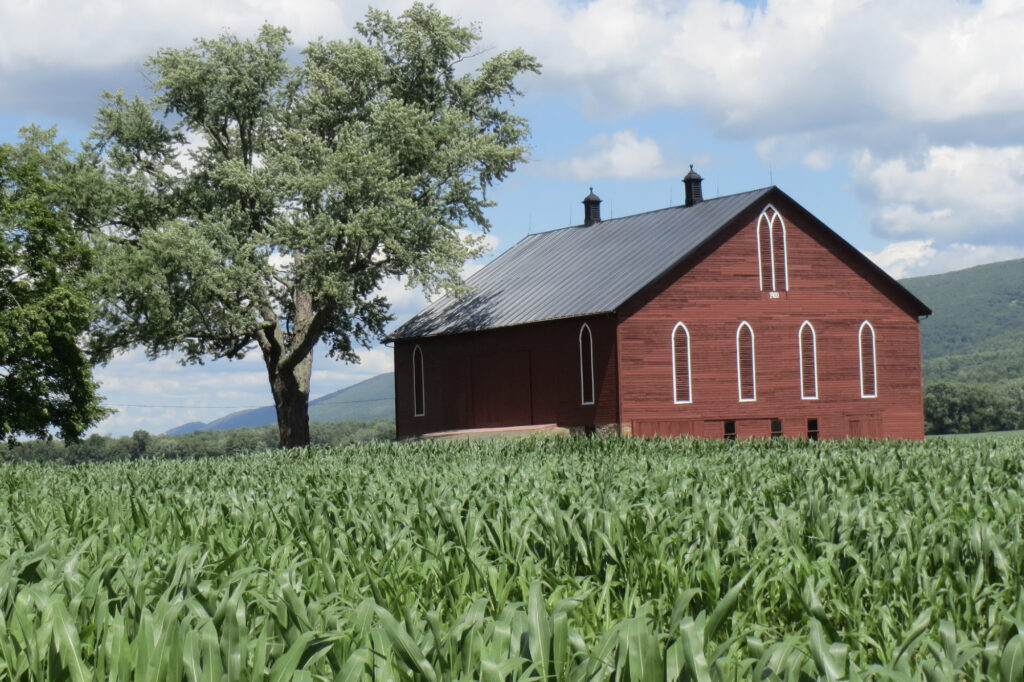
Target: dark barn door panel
[(501, 389)]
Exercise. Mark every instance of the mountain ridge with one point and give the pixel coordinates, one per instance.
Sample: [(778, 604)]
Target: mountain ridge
[(970, 308), (373, 398)]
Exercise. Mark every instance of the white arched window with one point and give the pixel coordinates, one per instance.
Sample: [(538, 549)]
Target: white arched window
[(682, 385), (772, 259), (808, 361), (586, 366), (419, 394), (745, 368), (868, 364)]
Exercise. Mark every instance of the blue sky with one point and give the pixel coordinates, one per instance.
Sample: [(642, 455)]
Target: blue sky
[(899, 124)]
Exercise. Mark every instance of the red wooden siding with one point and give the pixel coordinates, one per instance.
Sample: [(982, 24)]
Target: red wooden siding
[(828, 287), (509, 377)]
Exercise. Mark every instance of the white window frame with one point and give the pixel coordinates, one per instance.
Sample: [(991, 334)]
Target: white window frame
[(753, 364), (814, 358), (583, 385), (675, 375), (770, 222), (874, 360), (417, 383)]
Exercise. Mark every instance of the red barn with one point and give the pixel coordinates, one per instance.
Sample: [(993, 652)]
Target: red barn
[(731, 317)]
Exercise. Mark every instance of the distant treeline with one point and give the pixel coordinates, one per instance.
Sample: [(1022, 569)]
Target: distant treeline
[(955, 407), (949, 407), (143, 445)]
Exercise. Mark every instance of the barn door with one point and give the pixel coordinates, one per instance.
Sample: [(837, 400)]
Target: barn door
[(501, 389), (867, 426), (667, 428)]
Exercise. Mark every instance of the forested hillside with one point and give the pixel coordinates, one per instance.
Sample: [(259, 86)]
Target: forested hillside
[(973, 348), (980, 309)]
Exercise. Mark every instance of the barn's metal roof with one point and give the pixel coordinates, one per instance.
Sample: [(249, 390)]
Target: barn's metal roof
[(578, 271)]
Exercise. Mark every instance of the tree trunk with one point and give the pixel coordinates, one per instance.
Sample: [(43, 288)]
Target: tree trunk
[(291, 400), (290, 366)]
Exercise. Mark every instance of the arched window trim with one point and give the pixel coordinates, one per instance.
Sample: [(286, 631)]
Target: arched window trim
[(814, 359), (419, 388), (583, 383), (753, 364), (874, 360), (769, 222), (675, 373)]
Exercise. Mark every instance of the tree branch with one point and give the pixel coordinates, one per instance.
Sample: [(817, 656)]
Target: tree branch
[(306, 336)]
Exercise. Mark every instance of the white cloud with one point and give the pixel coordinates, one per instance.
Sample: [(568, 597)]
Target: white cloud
[(405, 301), (922, 257), (788, 67), (819, 159), (780, 68), (95, 35), (969, 192), (901, 258), (619, 155)]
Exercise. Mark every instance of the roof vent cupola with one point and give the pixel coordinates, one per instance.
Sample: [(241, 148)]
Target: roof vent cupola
[(692, 182), (591, 209)]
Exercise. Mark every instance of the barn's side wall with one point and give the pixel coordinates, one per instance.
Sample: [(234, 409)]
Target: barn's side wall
[(508, 377), (827, 286)]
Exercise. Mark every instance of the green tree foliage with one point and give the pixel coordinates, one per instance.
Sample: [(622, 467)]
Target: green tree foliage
[(45, 378), (260, 204), (999, 358), (954, 407)]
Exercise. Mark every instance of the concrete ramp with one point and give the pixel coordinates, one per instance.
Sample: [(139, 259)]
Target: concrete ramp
[(500, 432)]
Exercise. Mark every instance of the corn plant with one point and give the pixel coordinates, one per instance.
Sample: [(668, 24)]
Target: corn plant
[(568, 559)]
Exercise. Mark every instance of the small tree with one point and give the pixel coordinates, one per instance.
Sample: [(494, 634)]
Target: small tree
[(256, 204), (45, 379)]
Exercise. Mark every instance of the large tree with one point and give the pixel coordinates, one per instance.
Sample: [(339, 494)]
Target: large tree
[(261, 204), (46, 383)]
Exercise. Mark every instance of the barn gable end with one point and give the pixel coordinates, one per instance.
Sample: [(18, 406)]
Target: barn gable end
[(811, 328)]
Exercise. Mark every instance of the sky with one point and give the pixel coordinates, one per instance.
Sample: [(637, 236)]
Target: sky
[(900, 124)]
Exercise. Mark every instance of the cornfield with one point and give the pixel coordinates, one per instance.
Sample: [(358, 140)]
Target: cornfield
[(530, 559)]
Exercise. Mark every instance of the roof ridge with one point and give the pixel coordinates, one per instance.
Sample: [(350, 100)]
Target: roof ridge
[(653, 210), (572, 260)]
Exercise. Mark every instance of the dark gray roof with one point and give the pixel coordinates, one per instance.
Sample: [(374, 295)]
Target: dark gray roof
[(578, 271)]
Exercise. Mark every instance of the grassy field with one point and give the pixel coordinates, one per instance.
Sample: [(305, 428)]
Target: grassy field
[(1017, 436), (547, 559)]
